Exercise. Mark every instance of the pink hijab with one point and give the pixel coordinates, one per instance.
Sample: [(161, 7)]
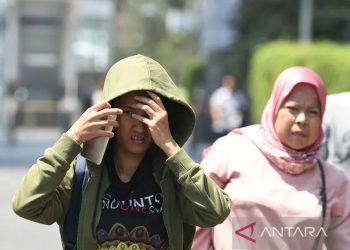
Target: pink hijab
[(264, 136)]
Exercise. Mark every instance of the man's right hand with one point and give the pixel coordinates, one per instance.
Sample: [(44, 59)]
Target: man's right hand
[(92, 123)]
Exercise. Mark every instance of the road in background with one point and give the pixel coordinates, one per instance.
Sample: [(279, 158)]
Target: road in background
[(15, 159)]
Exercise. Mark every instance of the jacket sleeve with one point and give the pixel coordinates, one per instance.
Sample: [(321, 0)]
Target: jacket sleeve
[(43, 194), (203, 203), (338, 232)]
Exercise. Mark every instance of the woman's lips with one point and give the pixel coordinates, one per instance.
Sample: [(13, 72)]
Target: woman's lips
[(299, 133)]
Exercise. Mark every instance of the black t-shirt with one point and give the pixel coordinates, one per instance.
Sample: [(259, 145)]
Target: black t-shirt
[(131, 216)]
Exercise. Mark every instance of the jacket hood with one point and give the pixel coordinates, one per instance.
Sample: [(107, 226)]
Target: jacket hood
[(139, 72)]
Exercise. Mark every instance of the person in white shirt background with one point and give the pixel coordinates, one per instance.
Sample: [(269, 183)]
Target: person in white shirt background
[(227, 105), (336, 125)]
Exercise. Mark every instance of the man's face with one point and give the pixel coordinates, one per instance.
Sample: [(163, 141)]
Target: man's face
[(132, 136)]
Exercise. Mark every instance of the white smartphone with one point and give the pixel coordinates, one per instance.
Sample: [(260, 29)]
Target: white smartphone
[(94, 149)]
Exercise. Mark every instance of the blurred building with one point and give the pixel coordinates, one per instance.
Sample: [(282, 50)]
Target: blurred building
[(217, 36), (51, 53)]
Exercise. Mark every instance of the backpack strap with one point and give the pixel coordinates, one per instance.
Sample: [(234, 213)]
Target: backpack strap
[(80, 178)]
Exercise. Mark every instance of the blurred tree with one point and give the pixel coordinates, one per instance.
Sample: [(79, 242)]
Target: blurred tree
[(332, 20), (165, 30), (262, 21), (258, 22), (179, 4), (139, 27)]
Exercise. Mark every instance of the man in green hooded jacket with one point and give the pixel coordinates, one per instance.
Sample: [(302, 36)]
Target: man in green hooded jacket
[(147, 193)]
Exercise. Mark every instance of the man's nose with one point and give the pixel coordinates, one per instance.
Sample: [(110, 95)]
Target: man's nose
[(140, 126)]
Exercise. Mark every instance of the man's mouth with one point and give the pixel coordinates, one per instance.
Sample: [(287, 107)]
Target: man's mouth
[(138, 139)]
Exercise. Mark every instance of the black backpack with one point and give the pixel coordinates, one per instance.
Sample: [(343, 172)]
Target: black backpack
[(70, 227)]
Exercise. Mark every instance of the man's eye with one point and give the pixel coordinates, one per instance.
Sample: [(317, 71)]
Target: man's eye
[(128, 112)]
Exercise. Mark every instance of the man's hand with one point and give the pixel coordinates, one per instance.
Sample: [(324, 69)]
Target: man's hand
[(92, 123), (157, 122)]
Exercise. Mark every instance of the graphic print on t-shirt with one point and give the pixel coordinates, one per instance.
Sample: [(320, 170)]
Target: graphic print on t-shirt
[(131, 216), (144, 205)]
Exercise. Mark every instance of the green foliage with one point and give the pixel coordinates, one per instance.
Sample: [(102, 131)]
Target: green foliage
[(141, 29), (329, 60), (193, 76), (259, 22), (263, 21), (174, 52), (177, 3), (331, 20)]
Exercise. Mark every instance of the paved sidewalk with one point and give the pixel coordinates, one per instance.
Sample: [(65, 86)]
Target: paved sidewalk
[(18, 233), (15, 159), (28, 145)]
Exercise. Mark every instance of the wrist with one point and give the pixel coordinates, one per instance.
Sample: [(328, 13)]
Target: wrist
[(170, 148), (74, 137)]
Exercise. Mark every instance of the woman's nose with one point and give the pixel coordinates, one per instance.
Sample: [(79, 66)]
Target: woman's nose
[(301, 118)]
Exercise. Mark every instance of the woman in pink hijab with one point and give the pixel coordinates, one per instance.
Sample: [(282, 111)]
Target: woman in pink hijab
[(283, 196)]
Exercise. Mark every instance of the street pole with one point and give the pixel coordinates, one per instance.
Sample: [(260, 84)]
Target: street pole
[(305, 20)]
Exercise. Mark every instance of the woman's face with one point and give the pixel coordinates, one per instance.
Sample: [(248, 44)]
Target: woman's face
[(298, 120), (132, 136)]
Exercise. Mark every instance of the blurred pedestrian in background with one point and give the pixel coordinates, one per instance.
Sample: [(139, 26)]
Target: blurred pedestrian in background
[(227, 106), (274, 176), (147, 193), (13, 103), (336, 125)]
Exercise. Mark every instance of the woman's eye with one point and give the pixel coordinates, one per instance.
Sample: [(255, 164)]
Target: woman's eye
[(314, 112), (292, 109)]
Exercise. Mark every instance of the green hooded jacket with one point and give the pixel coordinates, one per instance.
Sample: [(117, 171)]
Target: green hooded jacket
[(190, 198)]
